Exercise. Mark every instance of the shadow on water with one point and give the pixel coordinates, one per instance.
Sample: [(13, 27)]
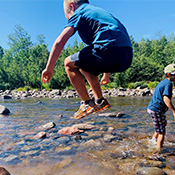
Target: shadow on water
[(96, 151)]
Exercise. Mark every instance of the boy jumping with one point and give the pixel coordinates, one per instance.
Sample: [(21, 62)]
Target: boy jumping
[(108, 50), (160, 102)]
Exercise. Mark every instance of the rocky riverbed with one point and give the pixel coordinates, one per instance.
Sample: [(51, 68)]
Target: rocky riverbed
[(40, 136)]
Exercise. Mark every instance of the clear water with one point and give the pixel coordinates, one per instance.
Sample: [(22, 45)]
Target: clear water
[(21, 154)]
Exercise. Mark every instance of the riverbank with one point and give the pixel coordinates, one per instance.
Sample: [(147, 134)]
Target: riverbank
[(56, 93)]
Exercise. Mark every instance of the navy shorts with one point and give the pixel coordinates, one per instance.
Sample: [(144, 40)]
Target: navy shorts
[(97, 59), (159, 120)]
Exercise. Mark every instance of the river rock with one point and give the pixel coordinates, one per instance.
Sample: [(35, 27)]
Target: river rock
[(48, 126), (150, 171), (84, 126), (70, 131), (40, 135), (3, 171), (171, 162), (111, 129), (11, 158), (91, 143), (113, 114), (6, 97), (109, 138), (4, 110)]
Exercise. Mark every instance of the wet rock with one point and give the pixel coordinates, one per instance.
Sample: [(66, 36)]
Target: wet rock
[(158, 157), (91, 143), (150, 171), (84, 126), (109, 138), (40, 135), (152, 163), (56, 168), (70, 131), (113, 114), (4, 110), (11, 158), (3, 171), (29, 153), (110, 129), (48, 126), (63, 140), (60, 115), (119, 155), (78, 137), (171, 162)]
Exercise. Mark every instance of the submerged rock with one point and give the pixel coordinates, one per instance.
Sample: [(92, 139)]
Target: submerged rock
[(48, 126), (4, 110), (84, 126), (171, 162), (150, 171), (113, 114), (3, 171), (70, 131), (40, 135)]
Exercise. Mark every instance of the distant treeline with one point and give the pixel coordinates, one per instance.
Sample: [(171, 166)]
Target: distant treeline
[(22, 64)]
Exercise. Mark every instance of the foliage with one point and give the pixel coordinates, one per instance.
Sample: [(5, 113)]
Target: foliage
[(23, 62), (153, 84)]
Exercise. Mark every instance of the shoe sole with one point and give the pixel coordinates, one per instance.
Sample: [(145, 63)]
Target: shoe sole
[(85, 113), (105, 108)]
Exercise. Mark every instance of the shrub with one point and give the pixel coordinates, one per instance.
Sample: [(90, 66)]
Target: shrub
[(153, 84), (3, 87)]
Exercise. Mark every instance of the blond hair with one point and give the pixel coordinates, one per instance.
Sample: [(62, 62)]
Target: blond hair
[(78, 2)]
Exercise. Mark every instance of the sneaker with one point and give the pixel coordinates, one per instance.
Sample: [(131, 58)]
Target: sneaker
[(85, 109), (103, 106), (153, 141)]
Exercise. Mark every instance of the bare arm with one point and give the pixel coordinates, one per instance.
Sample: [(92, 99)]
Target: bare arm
[(105, 79), (55, 53), (169, 104)]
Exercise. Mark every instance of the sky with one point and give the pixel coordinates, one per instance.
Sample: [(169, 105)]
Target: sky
[(148, 19)]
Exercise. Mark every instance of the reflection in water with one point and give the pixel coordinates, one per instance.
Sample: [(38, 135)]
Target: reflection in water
[(96, 152)]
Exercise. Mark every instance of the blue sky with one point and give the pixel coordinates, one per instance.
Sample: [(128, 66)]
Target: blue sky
[(142, 18)]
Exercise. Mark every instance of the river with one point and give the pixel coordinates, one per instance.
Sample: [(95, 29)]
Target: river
[(94, 152)]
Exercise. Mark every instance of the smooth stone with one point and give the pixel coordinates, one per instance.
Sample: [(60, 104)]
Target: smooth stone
[(3, 171), (4, 110), (150, 171)]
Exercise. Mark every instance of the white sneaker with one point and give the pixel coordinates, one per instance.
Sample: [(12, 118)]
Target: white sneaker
[(153, 141)]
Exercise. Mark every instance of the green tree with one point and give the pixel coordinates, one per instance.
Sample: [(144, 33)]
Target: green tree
[(1, 52)]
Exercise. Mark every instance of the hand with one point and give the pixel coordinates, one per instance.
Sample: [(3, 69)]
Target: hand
[(174, 115), (105, 79), (46, 76)]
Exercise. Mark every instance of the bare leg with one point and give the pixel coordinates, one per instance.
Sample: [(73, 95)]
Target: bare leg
[(160, 140), (76, 78), (94, 83), (155, 135)]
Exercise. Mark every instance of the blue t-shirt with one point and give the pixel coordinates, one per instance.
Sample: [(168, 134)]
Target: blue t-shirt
[(97, 26), (164, 88)]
